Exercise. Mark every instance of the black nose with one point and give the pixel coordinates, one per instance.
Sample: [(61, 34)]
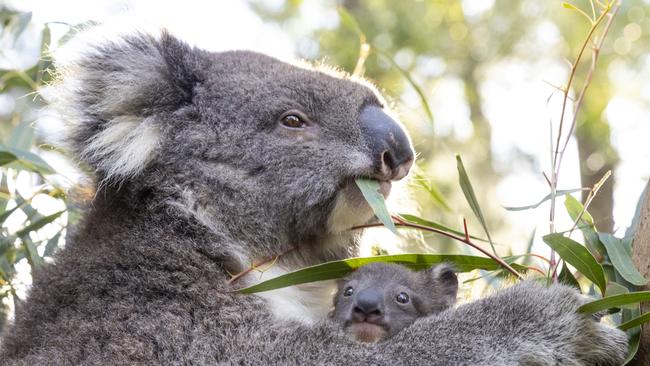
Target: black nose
[(368, 304), (391, 149)]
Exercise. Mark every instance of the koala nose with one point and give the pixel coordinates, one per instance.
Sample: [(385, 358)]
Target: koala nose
[(367, 304), (390, 147)]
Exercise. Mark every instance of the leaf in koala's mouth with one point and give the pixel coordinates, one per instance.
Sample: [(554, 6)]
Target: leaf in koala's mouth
[(370, 190)]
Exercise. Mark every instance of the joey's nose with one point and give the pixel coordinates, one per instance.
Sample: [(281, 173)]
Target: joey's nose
[(368, 304), (389, 145)]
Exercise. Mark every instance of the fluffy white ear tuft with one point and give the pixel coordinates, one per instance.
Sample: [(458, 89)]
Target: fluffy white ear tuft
[(124, 147), (111, 90)]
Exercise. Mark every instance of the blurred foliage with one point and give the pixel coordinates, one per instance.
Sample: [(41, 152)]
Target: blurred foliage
[(28, 235)]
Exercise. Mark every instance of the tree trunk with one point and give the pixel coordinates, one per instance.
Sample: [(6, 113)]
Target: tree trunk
[(641, 257)]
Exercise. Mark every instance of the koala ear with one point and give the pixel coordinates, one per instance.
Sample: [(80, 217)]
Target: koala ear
[(444, 282), (112, 93)]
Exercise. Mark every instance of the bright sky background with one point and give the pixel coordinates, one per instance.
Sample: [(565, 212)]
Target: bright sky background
[(515, 97)]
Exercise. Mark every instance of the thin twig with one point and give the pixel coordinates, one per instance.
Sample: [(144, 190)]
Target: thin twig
[(465, 228), (590, 198), (257, 265), (558, 154)]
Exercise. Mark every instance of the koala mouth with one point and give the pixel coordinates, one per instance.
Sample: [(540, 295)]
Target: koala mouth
[(367, 332)]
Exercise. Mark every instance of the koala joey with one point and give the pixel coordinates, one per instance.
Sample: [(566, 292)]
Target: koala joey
[(378, 300)]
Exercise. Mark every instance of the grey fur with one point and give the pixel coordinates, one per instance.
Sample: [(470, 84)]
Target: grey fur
[(427, 292), (144, 278)]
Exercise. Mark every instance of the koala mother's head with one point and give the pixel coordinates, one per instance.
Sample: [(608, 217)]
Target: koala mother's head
[(234, 138)]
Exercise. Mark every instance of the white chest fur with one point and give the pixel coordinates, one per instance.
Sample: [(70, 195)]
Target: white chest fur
[(307, 303)]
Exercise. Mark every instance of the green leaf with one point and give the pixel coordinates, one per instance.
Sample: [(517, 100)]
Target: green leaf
[(22, 136), (575, 208), (468, 191), (7, 157), (19, 23), (546, 198), (33, 226), (586, 224), (350, 22), (51, 245), (27, 160), (423, 99), (614, 289), (616, 301), (582, 12), (579, 257), (621, 259), (420, 221), (567, 278), (635, 322), (370, 190), (7, 270), (634, 339), (433, 191), (338, 269), (8, 213), (634, 334), (35, 260)]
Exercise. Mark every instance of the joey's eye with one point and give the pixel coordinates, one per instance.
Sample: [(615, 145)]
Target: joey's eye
[(348, 291), (402, 298), (293, 121)]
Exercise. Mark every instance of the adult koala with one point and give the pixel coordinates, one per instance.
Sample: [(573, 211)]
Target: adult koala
[(207, 162)]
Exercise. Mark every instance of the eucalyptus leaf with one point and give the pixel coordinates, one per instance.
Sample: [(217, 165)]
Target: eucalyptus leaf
[(338, 269), (614, 289), (36, 225), (433, 191), (615, 301), (350, 22), (634, 339), (634, 334), (558, 193), (370, 190), (52, 244), (567, 278), (579, 257), (22, 136), (6, 157), (635, 322), (423, 99), (7, 270), (26, 160), (576, 209), (468, 191), (420, 221), (621, 259), (34, 259), (585, 224)]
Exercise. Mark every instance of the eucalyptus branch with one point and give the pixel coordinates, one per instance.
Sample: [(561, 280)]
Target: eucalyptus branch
[(466, 240), (609, 10)]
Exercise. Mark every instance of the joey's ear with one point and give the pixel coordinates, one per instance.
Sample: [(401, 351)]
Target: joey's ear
[(113, 93), (444, 282)]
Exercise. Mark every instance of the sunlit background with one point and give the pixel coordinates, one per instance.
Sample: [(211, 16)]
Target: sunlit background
[(490, 71)]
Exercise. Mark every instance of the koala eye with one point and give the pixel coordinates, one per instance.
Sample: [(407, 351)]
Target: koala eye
[(348, 291), (293, 120), (402, 298)]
